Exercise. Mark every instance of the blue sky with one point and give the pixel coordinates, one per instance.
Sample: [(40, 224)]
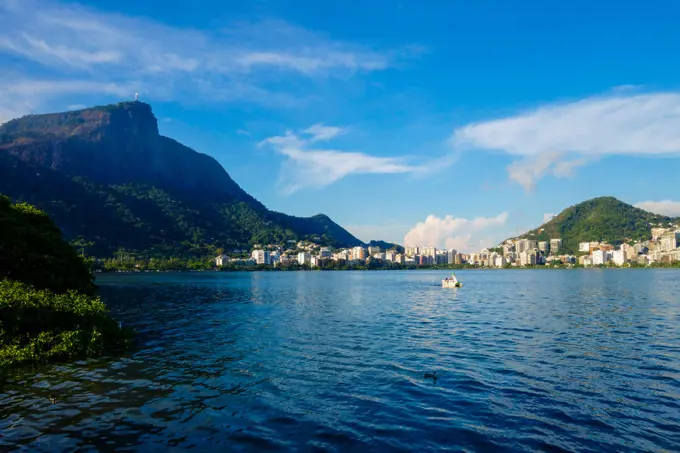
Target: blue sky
[(442, 123)]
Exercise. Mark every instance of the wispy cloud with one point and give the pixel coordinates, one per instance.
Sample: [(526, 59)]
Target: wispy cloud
[(664, 207), (559, 138), (319, 132), (69, 43), (307, 167), (462, 234)]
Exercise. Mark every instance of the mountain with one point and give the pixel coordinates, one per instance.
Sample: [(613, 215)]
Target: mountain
[(386, 246), (105, 175), (603, 219)]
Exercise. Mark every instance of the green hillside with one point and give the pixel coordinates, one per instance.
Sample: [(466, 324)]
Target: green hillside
[(599, 219)]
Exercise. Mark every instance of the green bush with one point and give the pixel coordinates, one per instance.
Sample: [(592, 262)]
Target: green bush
[(40, 326), (33, 251), (49, 311)]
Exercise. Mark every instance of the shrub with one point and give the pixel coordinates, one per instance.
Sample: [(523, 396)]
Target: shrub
[(40, 326), (33, 251)]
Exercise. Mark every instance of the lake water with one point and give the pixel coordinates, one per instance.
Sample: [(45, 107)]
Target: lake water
[(545, 360)]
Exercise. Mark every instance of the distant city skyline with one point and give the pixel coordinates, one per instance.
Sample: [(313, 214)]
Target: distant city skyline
[(453, 124)]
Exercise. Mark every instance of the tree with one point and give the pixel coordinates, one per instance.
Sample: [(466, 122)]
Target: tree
[(33, 251)]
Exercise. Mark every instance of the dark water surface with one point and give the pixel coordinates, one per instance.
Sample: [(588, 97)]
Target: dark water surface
[(572, 360)]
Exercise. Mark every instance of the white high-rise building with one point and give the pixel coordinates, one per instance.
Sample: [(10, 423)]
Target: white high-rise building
[(527, 258), (261, 257), (304, 258), (412, 251), (221, 260), (600, 257), (325, 252), (555, 245), (619, 257), (524, 245), (668, 242), (358, 253), (429, 251)]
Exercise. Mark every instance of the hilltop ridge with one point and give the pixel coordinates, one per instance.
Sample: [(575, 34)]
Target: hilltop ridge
[(604, 219), (106, 175)]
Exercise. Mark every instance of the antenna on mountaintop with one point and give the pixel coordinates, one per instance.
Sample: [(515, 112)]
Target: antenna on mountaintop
[(136, 97)]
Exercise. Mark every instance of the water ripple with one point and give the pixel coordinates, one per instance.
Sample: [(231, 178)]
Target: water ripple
[(582, 361)]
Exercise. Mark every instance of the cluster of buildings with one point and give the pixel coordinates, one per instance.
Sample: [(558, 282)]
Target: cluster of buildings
[(662, 248), (309, 254)]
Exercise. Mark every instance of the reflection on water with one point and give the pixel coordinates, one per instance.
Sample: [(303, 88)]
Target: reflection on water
[(334, 361)]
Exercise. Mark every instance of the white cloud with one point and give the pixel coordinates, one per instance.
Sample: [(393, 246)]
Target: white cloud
[(557, 139), (462, 234), (664, 207), (319, 132), (68, 44), (308, 167), (313, 63)]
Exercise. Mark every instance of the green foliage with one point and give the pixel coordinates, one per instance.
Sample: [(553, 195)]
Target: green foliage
[(599, 219), (387, 246), (128, 263), (48, 308), (150, 220), (32, 251), (39, 326)]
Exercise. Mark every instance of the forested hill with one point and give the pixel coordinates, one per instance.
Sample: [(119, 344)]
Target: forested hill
[(599, 219), (105, 175)]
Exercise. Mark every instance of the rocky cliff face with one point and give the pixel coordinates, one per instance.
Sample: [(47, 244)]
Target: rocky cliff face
[(115, 145), (111, 160)]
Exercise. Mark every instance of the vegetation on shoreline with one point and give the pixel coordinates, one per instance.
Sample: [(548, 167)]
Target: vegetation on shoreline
[(49, 310), (40, 326)]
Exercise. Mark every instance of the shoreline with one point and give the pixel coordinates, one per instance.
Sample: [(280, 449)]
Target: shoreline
[(127, 272)]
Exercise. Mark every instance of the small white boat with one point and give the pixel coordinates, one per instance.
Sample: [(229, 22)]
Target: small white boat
[(451, 282)]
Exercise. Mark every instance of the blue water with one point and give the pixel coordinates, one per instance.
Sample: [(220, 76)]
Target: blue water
[(546, 360)]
